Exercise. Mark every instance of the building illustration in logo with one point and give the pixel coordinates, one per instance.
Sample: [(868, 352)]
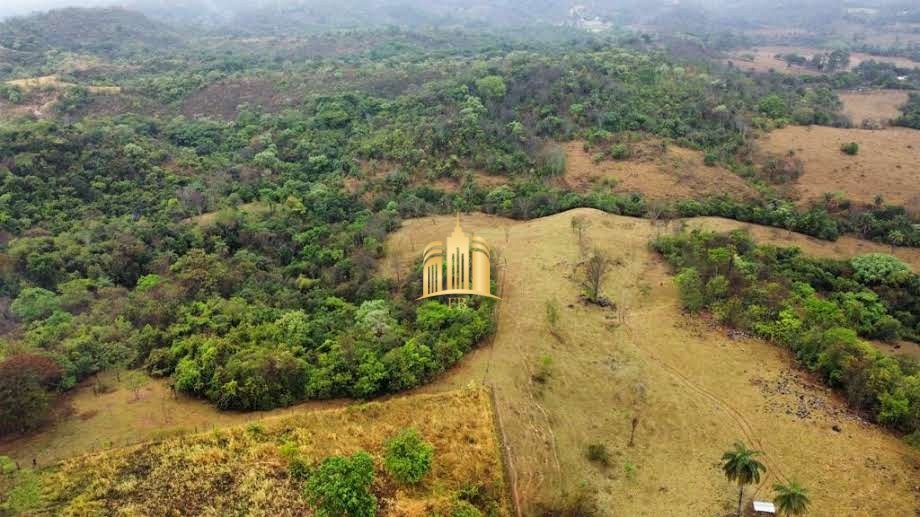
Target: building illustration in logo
[(467, 272)]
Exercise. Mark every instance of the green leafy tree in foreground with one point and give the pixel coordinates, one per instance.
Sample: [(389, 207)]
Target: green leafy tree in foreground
[(408, 456), (791, 498), (341, 486), (740, 466)]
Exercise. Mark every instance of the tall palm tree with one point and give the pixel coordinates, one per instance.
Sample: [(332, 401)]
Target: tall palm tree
[(740, 466), (791, 498)]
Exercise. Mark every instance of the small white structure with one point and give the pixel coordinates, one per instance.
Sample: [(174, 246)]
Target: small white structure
[(764, 508)]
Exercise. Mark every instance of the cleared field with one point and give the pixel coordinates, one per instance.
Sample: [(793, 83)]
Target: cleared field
[(879, 106), (242, 470), (762, 59), (53, 82), (888, 162), (677, 173), (693, 389), (88, 423), (209, 218)]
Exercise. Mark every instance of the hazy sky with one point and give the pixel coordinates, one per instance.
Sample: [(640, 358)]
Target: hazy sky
[(14, 7)]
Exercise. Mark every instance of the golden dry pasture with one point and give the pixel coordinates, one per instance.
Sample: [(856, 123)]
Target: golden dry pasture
[(888, 162), (675, 173), (693, 389), (763, 59), (55, 83), (873, 106), (242, 469)]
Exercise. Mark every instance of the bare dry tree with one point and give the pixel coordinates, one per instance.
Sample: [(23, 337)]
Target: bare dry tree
[(638, 404), (596, 268), (580, 225)]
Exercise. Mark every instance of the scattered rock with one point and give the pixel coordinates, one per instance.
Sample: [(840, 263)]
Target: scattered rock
[(836, 428)]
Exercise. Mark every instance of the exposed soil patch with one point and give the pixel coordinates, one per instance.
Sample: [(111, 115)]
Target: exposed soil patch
[(675, 173), (888, 162)]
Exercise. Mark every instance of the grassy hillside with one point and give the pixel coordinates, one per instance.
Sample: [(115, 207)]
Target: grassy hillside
[(245, 469), (693, 387)]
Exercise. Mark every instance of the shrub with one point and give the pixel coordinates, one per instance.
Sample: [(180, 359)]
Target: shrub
[(913, 439), (408, 456), (878, 268), (551, 161), (597, 452), (34, 303), (24, 398), (710, 159), (850, 148), (464, 509), (690, 286), (341, 486), (620, 152), (782, 169)]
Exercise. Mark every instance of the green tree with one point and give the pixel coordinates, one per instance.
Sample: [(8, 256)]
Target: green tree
[(491, 87), (740, 466), (773, 106), (408, 456), (791, 498), (690, 286), (340, 486), (34, 303)]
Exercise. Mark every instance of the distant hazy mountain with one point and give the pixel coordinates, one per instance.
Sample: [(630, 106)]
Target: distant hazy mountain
[(103, 31)]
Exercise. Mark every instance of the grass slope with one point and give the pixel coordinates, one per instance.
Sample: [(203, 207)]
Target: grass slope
[(886, 163), (241, 470), (694, 389)]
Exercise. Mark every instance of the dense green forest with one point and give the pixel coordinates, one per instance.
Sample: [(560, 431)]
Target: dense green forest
[(233, 245)]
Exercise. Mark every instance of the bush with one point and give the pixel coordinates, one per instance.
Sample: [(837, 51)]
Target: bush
[(879, 268), (341, 486), (597, 452), (34, 303), (408, 457), (620, 152), (551, 161), (850, 148), (464, 509), (690, 286)]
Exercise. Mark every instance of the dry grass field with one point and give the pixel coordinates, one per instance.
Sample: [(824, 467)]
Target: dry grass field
[(209, 218), (242, 470), (762, 59), (888, 162), (677, 173), (693, 389), (876, 106), (88, 422), (54, 83)]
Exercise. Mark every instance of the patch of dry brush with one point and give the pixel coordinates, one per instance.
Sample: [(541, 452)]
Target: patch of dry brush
[(242, 469)]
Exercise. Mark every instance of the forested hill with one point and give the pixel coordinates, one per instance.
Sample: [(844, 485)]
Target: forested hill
[(102, 31)]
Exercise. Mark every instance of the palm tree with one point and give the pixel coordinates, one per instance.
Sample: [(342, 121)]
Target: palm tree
[(740, 467), (791, 498)]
